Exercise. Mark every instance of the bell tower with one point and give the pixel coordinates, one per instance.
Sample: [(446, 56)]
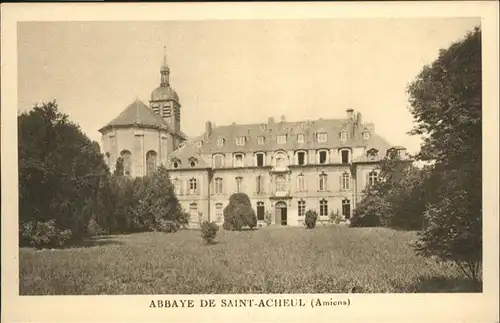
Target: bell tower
[(164, 100)]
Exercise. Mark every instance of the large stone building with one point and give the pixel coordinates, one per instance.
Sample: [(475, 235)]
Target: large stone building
[(285, 167)]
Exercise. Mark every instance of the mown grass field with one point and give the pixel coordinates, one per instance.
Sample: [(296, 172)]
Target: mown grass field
[(327, 259)]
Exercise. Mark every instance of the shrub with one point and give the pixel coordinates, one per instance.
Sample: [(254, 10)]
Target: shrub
[(45, 234), (334, 217), (311, 217), (209, 231), (268, 218), (94, 229), (239, 213), (167, 226), (370, 220)]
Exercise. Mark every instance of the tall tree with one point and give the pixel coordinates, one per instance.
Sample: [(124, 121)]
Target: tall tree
[(60, 170), (445, 101)]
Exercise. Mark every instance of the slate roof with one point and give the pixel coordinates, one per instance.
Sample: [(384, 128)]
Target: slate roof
[(185, 155), (138, 114), (270, 131)]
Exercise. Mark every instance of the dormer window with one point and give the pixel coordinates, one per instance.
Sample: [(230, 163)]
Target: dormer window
[(193, 161), (300, 138), (366, 135), (321, 136), (343, 135), (176, 163), (281, 139), (372, 154), (261, 140), (199, 143), (240, 141), (220, 142)]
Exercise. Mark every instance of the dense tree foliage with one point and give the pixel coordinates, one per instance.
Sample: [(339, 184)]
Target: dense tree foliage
[(239, 213), (446, 104), (66, 191), (60, 172), (398, 199)]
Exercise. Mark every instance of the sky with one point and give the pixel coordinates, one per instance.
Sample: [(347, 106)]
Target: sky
[(241, 71)]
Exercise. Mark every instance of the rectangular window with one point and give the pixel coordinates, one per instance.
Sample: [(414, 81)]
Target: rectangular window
[(259, 188), (346, 181), (177, 186), (300, 183), (322, 182), (281, 139), (260, 160), (239, 184), (281, 183), (240, 141), (300, 138), (345, 156), (301, 158), (260, 140), (321, 136), (323, 208), (302, 208), (322, 157), (218, 186), (193, 186), (218, 161)]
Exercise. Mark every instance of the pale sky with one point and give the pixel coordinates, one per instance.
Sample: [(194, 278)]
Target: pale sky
[(235, 71)]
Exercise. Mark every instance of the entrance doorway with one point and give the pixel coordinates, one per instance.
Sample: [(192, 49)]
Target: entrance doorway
[(281, 214)]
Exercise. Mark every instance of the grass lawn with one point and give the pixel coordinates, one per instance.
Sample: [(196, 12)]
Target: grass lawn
[(327, 259)]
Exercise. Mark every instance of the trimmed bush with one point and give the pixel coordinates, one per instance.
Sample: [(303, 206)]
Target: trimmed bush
[(311, 217), (45, 234), (239, 213), (209, 231)]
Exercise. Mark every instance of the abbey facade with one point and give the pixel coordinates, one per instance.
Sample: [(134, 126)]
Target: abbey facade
[(286, 168)]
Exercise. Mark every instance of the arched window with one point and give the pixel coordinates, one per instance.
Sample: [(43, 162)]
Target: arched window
[(259, 159), (301, 205), (238, 160), (346, 208), (193, 161), (176, 163), (127, 162), (151, 157), (260, 211), (280, 160), (301, 158), (372, 178), (345, 155), (323, 156), (323, 207), (346, 181)]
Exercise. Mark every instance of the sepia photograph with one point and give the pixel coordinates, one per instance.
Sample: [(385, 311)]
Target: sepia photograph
[(270, 157)]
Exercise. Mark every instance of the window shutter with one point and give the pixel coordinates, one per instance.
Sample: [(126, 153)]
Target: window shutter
[(197, 187), (340, 182)]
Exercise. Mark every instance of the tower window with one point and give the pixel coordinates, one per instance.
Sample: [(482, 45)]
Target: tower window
[(127, 162), (151, 158)]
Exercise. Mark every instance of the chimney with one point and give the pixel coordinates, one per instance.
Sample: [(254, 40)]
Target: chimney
[(208, 129), (270, 120), (350, 114), (358, 118)]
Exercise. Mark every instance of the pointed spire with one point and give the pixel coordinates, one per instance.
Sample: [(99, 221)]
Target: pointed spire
[(164, 67)]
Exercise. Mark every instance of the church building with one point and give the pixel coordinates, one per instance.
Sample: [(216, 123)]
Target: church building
[(286, 168)]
